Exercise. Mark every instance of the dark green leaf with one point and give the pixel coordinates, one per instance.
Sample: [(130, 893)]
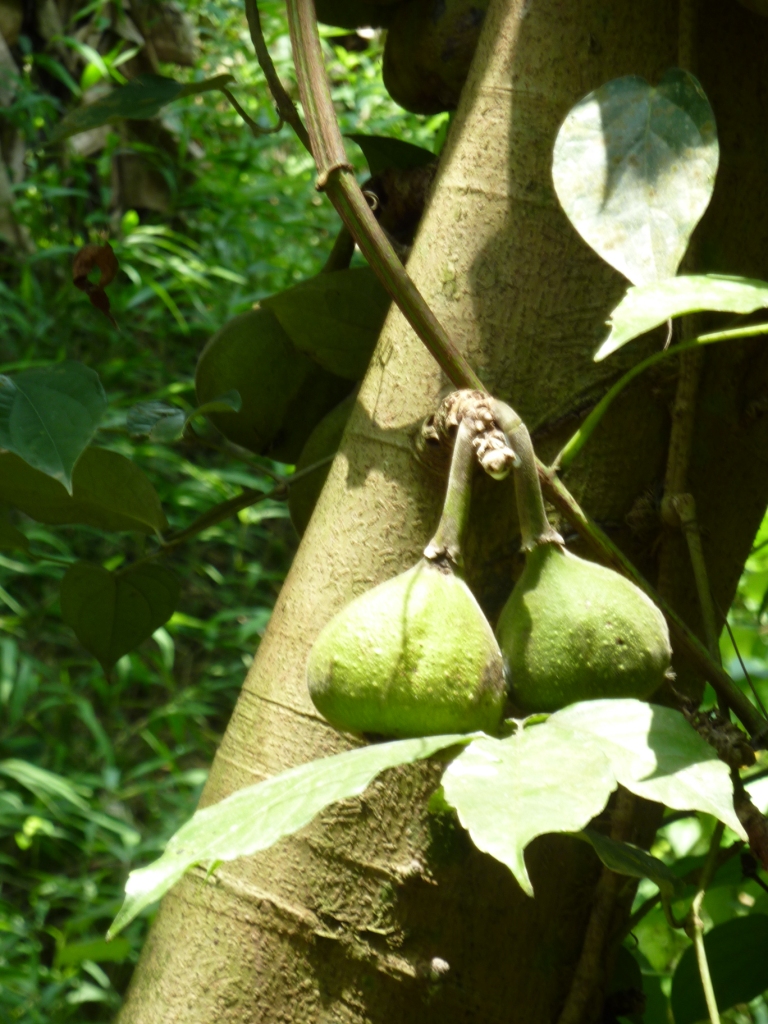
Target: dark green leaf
[(737, 954), (10, 538), (656, 754), (230, 401), (626, 983), (647, 306), (49, 415), (113, 612), (634, 168), (140, 99), (108, 491), (542, 779), (256, 817), (626, 859), (98, 950), (335, 318), (382, 152)]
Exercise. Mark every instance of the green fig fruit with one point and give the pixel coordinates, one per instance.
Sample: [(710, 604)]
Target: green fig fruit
[(573, 630), (415, 656), (429, 47), (322, 443), (284, 393)]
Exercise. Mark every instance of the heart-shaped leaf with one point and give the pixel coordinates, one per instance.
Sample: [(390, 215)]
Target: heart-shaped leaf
[(656, 754), (634, 168), (647, 306), (738, 965), (256, 817), (335, 318), (113, 612), (108, 491), (542, 779), (49, 415), (382, 152)]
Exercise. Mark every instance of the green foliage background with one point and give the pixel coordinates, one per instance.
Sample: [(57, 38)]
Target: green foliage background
[(96, 775), (129, 757)]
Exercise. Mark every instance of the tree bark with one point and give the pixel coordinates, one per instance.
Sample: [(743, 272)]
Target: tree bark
[(380, 911)]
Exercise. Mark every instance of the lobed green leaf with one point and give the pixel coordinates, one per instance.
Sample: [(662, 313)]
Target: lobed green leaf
[(542, 779), (656, 754)]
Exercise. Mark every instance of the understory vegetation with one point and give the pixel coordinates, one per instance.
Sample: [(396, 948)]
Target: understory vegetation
[(97, 773)]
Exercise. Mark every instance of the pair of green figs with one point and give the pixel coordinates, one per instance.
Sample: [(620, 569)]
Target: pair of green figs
[(416, 655)]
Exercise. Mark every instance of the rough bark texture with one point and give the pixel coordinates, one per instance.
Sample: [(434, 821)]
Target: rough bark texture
[(342, 923)]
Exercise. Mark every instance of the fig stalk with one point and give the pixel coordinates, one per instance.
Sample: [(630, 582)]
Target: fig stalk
[(535, 528), (449, 536)]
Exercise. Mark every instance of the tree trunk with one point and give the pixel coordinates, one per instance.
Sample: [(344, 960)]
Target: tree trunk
[(380, 911)]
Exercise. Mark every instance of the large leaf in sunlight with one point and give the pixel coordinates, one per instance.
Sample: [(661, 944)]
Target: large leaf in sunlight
[(256, 817), (634, 168), (49, 414), (657, 755), (108, 491), (647, 306), (557, 775), (113, 612), (542, 779)]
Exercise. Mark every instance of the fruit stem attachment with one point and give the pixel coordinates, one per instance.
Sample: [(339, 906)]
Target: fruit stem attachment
[(445, 546), (535, 528)]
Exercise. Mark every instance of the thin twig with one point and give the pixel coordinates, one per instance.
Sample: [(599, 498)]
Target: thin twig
[(589, 976), (694, 926), (747, 676), (690, 878), (286, 108), (335, 177), (685, 507), (256, 129)]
